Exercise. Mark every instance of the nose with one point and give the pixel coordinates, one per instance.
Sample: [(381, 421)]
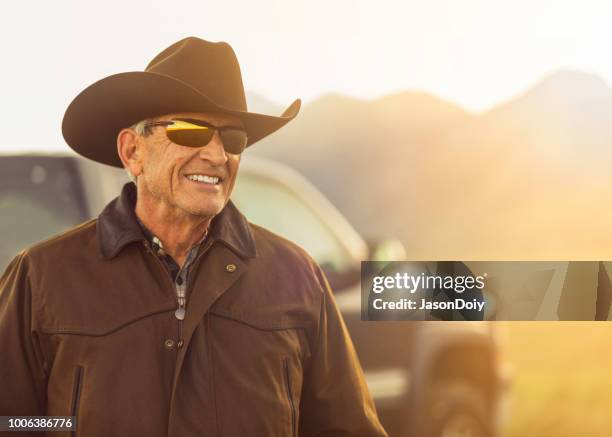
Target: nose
[(214, 151)]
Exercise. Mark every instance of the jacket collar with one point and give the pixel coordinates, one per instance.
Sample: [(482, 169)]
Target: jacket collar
[(118, 226)]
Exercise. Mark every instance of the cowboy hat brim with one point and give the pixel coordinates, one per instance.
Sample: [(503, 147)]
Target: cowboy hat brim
[(95, 117)]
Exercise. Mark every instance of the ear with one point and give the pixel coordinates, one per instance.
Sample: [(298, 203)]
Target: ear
[(130, 149)]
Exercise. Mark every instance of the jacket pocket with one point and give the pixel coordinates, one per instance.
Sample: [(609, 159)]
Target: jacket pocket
[(287, 378), (258, 361), (76, 396)]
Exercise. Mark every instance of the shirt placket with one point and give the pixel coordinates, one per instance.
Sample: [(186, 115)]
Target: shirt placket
[(180, 284), (180, 278)]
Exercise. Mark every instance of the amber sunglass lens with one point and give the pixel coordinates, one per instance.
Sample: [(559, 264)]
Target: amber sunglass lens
[(234, 140), (190, 137)]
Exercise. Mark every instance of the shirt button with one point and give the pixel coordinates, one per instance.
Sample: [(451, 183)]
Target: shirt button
[(230, 268), (169, 344)]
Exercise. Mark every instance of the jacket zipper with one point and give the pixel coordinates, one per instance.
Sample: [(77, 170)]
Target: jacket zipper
[(290, 396), (76, 396), (179, 313)]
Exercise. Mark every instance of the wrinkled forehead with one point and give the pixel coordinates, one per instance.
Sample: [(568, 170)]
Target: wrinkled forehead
[(215, 118)]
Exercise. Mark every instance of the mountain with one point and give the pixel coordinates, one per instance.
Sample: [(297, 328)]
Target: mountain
[(529, 178), (343, 143), (538, 167), (565, 109)]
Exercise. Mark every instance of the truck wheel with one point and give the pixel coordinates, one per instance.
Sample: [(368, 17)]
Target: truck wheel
[(455, 409)]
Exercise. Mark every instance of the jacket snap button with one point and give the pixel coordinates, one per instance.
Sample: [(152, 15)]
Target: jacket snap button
[(169, 344), (230, 268)]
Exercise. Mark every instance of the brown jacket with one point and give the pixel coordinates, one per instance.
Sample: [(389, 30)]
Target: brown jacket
[(87, 328)]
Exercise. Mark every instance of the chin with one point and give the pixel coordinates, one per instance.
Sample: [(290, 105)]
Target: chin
[(209, 210)]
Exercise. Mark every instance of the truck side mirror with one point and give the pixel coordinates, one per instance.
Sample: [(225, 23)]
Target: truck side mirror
[(388, 249)]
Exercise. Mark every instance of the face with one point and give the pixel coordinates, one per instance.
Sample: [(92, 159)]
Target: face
[(186, 180)]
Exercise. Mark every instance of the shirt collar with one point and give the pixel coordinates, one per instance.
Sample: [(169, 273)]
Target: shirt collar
[(118, 226), (157, 245)]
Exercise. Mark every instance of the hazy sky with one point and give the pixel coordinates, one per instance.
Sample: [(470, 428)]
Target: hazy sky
[(472, 52)]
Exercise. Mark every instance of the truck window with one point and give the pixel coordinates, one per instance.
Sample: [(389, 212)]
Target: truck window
[(268, 203), (39, 196)]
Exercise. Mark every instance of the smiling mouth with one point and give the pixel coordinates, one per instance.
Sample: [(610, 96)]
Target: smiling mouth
[(204, 179)]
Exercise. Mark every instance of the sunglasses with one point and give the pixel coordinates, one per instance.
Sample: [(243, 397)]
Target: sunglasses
[(198, 133)]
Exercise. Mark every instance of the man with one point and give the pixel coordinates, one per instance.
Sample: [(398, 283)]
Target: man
[(170, 314)]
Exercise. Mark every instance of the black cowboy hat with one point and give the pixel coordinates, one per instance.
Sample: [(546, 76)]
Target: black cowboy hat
[(192, 75)]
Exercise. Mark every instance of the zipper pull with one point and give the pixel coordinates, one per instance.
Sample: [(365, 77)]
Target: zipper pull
[(180, 312)]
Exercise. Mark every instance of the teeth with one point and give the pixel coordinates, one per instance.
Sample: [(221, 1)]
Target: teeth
[(203, 178)]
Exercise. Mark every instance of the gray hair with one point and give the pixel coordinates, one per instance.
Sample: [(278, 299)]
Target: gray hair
[(141, 129)]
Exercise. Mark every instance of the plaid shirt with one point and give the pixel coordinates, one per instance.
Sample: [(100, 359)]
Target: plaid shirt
[(179, 274)]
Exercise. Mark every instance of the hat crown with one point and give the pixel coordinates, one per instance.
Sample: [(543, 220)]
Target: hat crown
[(192, 75), (209, 67)]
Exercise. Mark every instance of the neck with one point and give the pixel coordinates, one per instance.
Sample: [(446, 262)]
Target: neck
[(177, 230)]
